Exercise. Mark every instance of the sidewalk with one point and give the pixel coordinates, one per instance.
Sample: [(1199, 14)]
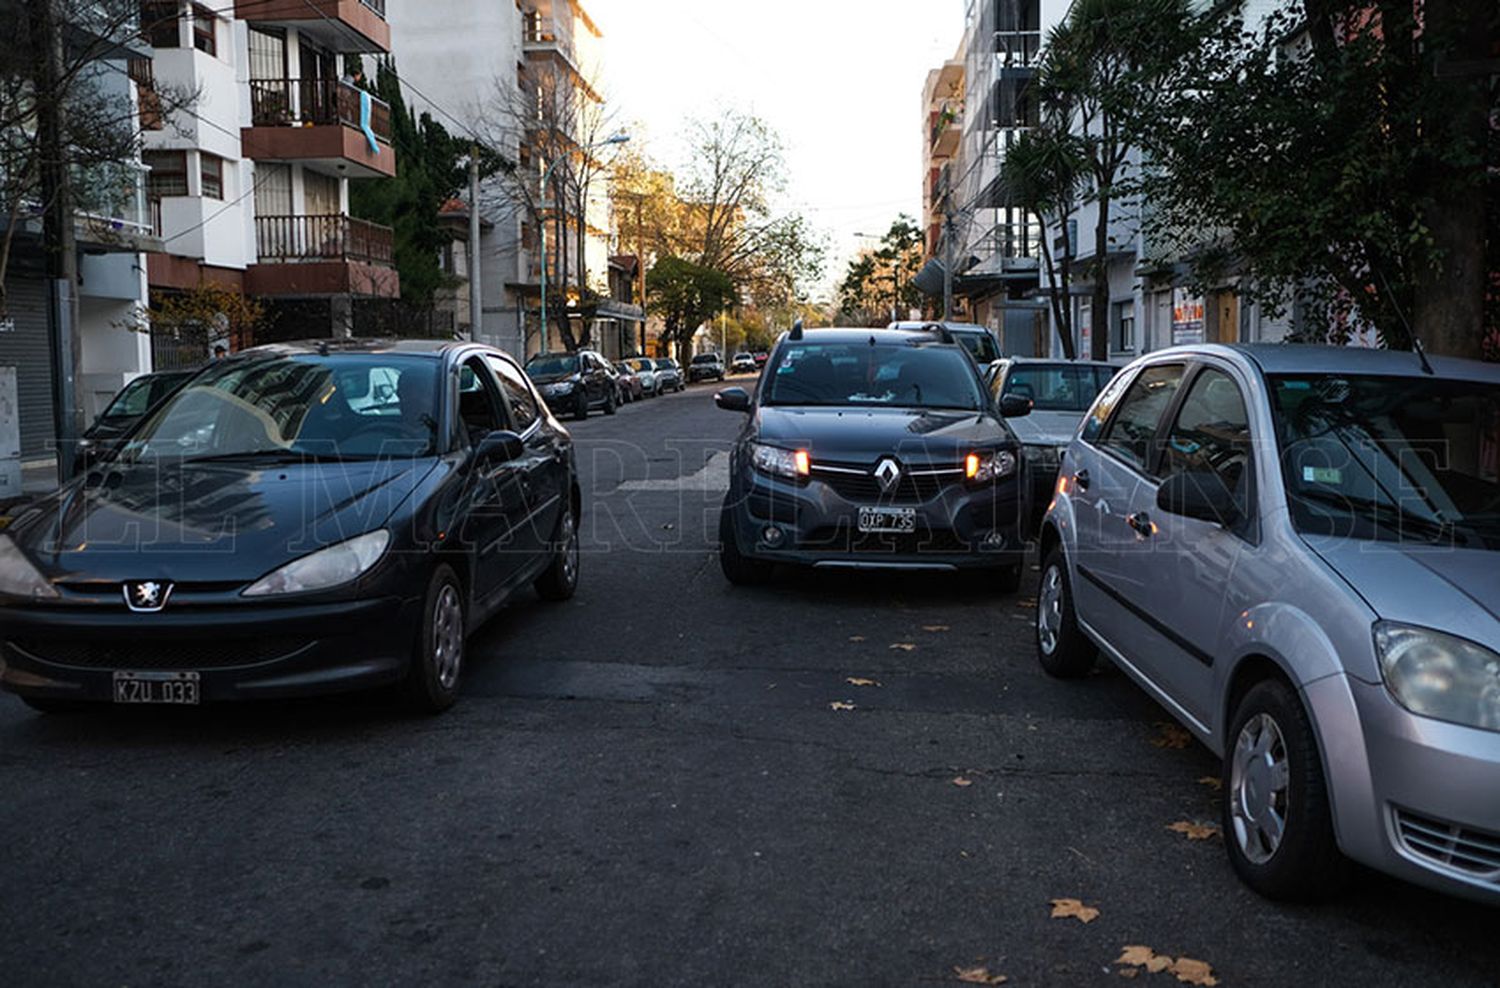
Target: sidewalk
[(38, 477)]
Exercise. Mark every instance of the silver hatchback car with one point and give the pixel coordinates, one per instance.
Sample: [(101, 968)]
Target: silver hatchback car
[(1296, 550)]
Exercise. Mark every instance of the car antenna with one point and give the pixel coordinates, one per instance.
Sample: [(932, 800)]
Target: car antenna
[(796, 333), (1411, 333)]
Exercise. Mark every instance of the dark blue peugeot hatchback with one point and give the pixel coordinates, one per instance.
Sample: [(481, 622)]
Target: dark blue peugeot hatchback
[(297, 519)]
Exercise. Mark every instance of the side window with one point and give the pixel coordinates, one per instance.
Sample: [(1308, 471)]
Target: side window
[(1134, 425), (523, 409), (1110, 397), (1212, 434), (478, 401)]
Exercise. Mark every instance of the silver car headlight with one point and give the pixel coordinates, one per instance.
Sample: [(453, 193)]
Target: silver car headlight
[(984, 468), (1436, 675), (331, 567), (790, 463), (18, 577)]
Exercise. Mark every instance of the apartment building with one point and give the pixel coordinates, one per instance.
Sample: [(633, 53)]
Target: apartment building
[(942, 122), (249, 176)]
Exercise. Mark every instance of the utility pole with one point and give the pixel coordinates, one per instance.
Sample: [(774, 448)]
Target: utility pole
[(57, 231), (476, 294), (947, 266), (640, 264)]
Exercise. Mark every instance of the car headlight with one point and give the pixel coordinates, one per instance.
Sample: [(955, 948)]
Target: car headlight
[(778, 462), (983, 468), (1437, 675), (18, 577), (331, 567), (563, 387)]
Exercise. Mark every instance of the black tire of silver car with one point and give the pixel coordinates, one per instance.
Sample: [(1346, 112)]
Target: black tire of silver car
[(609, 402), (437, 657), (581, 404), (738, 568), (1064, 651), (1277, 823), (559, 581)]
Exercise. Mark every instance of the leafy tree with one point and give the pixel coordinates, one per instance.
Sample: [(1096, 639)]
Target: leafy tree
[(1044, 172), (881, 280), (686, 295), (206, 314), (1338, 157)]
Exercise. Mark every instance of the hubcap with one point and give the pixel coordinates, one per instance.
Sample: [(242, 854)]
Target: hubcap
[(447, 636), (1049, 610), (569, 548), (1258, 774)]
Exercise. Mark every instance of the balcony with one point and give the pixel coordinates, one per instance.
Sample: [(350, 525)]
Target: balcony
[(945, 128), (319, 121), (322, 255), (342, 25), (1018, 49), (142, 72)]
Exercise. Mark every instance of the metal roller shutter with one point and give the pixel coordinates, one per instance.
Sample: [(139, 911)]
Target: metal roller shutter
[(27, 348)]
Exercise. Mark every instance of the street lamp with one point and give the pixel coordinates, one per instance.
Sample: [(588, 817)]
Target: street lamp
[(895, 275), (621, 138)]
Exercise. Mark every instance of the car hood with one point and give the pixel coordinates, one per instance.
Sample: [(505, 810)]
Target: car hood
[(1042, 428), (863, 434), (1456, 590), (208, 522)]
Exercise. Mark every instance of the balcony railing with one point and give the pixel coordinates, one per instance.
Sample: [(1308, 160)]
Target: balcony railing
[(1012, 240), (294, 239), (319, 102), (148, 100), (1016, 49)]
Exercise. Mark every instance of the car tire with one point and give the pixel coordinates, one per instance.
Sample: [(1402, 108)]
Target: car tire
[(1270, 741), (52, 705), (560, 580), (609, 402), (581, 405), (739, 569), (437, 656), (1062, 648)]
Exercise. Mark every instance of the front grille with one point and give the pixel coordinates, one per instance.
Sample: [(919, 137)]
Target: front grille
[(865, 489), (1473, 852), (925, 541), (205, 653)]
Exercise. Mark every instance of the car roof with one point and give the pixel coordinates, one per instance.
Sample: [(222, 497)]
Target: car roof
[(1307, 358), (356, 346), (1061, 361), (844, 334), (929, 324)]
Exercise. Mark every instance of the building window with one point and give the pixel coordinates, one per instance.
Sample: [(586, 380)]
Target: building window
[(1124, 326), (212, 173), (159, 23), (205, 30), (168, 175)]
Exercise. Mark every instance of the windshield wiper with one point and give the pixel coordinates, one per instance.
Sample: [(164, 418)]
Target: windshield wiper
[(1393, 516), (272, 456)]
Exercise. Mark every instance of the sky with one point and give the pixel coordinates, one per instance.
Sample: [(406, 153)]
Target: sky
[(840, 80)]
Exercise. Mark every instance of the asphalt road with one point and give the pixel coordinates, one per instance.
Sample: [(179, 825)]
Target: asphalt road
[(649, 786)]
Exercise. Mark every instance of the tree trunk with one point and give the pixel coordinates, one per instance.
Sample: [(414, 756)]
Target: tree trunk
[(1055, 298), (1099, 309)]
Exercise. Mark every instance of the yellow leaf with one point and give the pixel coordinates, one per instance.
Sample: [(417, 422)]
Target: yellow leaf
[(934, 627), (1193, 972), (1065, 908), (1170, 736), (1212, 781), (841, 705), (904, 646), (978, 976), (1144, 957), (962, 782), (1194, 831), (1129, 972), (861, 681)]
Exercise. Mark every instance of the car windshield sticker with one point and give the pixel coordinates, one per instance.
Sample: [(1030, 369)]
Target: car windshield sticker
[(1322, 475)]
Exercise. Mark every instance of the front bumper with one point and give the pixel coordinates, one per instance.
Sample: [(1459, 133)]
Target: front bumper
[(240, 651), (1414, 797), (958, 528)]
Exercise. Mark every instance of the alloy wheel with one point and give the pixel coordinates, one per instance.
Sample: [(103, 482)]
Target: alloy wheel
[(1049, 610), (447, 636), (569, 548), (1259, 773)]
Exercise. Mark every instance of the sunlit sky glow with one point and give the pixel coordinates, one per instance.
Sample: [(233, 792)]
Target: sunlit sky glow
[(840, 80)]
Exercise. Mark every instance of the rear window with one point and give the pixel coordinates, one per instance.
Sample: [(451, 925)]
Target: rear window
[(1057, 387), (981, 347)]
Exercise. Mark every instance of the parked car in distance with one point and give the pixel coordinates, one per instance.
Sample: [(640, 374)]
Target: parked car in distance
[(124, 410), (1060, 392), (645, 370), (1296, 551), (980, 342), (669, 374), (871, 448), (743, 363), (760, 357), (706, 367), (574, 383), (630, 382), (268, 532)]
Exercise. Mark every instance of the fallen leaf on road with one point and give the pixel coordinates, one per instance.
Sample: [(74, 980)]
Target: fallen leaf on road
[(1026, 603), (861, 681), (978, 976), (1138, 956), (962, 782), (1170, 736), (841, 705), (1065, 908), (1194, 831), (1129, 972), (1193, 972), (934, 627), (904, 646), (1212, 781), (856, 638)]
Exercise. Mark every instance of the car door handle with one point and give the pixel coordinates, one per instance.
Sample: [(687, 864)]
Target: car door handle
[(1081, 478), (1141, 522)]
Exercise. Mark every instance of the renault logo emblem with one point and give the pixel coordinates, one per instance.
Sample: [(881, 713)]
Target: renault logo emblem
[(887, 474), (147, 596)]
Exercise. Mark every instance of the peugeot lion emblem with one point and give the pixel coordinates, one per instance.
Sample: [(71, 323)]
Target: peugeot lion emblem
[(887, 474), (147, 596)]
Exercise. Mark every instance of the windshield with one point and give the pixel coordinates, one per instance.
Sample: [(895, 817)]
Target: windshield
[(662, 363), (134, 400), (706, 358), (349, 406), (1057, 387), (552, 366), (1392, 459), (904, 375)]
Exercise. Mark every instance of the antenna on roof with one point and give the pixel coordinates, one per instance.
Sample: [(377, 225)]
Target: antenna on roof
[(796, 333), (1411, 333)]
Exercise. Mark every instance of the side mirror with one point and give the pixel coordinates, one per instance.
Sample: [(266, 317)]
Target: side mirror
[(500, 446), (1199, 494), (1015, 406), (733, 400)]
